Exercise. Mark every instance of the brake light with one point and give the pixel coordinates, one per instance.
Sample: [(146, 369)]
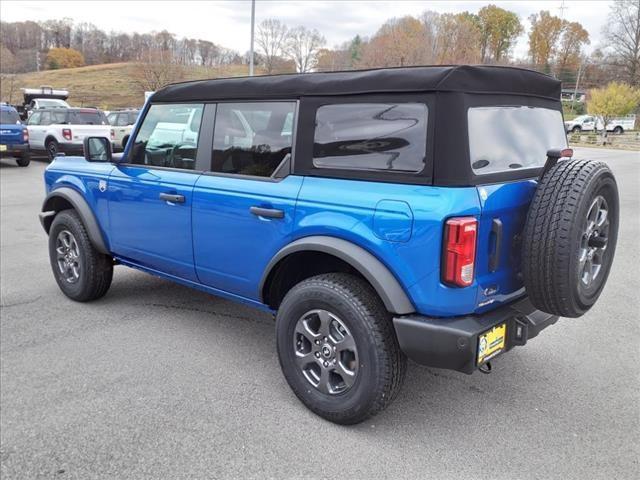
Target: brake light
[(66, 133), (25, 135), (459, 253), (113, 134)]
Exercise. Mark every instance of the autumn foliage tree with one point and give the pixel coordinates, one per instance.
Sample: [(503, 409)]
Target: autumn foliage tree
[(63, 58), (499, 29), (543, 38), (614, 100)]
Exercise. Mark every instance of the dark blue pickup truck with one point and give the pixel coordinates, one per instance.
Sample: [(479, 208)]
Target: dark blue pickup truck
[(14, 137), (430, 213)]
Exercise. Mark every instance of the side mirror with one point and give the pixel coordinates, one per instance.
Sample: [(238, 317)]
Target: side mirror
[(97, 149)]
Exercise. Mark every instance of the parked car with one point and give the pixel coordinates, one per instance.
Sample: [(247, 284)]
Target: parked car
[(63, 130), (587, 123), (122, 123), (43, 97), (14, 137), (380, 215)]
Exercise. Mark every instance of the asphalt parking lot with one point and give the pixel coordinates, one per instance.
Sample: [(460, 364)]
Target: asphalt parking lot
[(159, 381)]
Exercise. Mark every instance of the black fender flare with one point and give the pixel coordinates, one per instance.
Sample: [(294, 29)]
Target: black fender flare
[(377, 274), (80, 205)]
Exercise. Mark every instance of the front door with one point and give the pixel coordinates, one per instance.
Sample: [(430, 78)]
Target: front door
[(243, 209), (151, 193)]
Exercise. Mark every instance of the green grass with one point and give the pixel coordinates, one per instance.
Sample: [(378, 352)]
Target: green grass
[(107, 86)]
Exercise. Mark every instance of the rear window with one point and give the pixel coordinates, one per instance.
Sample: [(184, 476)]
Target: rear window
[(371, 136), (87, 118), (512, 138), (9, 117)]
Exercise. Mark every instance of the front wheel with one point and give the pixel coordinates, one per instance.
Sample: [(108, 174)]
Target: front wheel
[(618, 130), (82, 273), (576, 129), (337, 348)]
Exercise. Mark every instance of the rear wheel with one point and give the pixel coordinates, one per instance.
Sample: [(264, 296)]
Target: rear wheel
[(24, 160), (124, 141), (576, 129), (52, 148), (82, 273), (618, 130), (337, 348), (570, 237)]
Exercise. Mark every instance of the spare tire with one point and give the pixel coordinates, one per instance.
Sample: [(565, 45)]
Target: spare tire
[(569, 238)]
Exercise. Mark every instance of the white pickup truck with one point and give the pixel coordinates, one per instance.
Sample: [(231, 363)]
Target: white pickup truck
[(586, 123), (63, 130)]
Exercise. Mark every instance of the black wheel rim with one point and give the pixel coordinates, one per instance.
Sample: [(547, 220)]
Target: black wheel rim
[(68, 256), (52, 150), (594, 241), (325, 352)]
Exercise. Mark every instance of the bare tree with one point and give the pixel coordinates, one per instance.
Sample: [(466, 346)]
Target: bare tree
[(271, 40), (156, 72), (623, 34), (303, 46)]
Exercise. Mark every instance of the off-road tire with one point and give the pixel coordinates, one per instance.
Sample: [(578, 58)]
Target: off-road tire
[(24, 160), (381, 363), (96, 269), (553, 233)]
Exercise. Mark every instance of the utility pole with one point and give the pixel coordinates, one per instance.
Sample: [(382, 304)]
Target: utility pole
[(575, 91), (253, 21)]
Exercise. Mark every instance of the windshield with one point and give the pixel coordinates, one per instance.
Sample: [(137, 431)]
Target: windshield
[(8, 117), (51, 103), (510, 138)]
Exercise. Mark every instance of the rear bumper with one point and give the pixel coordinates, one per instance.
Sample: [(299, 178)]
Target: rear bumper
[(14, 150), (452, 343)]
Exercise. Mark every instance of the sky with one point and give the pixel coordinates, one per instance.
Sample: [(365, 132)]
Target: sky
[(227, 23)]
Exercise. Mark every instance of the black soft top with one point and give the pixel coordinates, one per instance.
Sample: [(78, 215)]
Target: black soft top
[(459, 78)]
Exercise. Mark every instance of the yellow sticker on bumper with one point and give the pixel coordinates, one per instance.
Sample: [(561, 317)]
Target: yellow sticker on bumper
[(492, 342)]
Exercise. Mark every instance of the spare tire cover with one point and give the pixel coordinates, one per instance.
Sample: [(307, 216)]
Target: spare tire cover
[(570, 236)]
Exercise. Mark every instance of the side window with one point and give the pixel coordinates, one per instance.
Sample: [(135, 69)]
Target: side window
[(34, 119), (371, 136), (45, 119), (168, 136), (251, 138), (111, 118), (122, 120), (133, 116)]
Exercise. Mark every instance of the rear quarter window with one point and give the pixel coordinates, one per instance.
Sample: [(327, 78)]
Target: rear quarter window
[(9, 117), (371, 136), (509, 138)]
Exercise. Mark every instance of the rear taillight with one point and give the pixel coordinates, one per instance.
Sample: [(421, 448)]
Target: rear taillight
[(25, 135), (113, 134), (459, 252), (66, 133)]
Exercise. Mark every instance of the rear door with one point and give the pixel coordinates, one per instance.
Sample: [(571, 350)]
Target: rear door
[(506, 139), (243, 208), (151, 194)]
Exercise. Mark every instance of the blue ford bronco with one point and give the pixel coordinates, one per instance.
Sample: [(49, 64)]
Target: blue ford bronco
[(14, 136), (430, 213)]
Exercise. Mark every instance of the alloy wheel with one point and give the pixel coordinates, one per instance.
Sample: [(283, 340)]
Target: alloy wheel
[(325, 352)]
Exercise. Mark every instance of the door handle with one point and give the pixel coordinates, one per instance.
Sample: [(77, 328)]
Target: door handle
[(267, 212), (172, 197)]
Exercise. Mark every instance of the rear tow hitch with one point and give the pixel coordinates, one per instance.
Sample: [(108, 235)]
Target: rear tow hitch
[(485, 368)]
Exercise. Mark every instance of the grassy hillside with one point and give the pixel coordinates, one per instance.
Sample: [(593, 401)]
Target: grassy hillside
[(106, 86)]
